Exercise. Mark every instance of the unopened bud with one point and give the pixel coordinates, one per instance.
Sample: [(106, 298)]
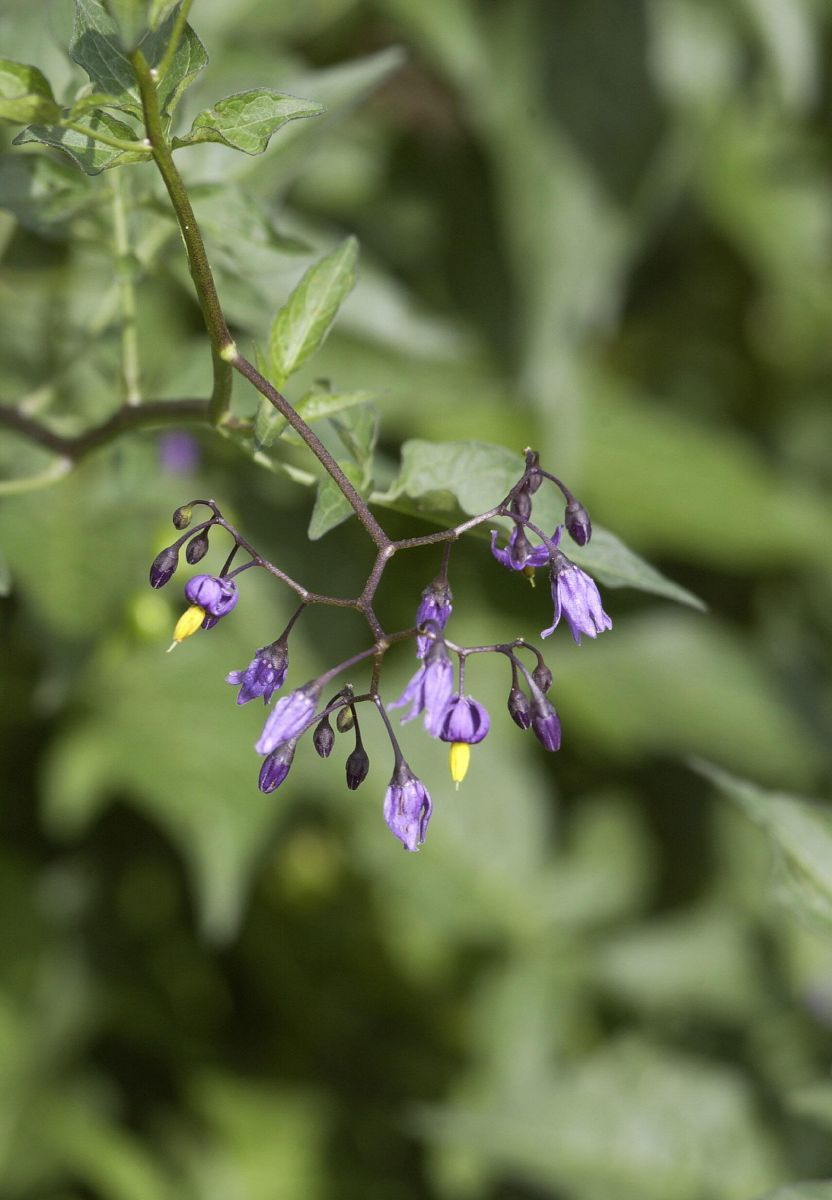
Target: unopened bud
[(358, 764), (519, 708), (533, 460), (323, 739), (545, 723), (182, 516), (345, 719), (163, 567), (542, 677), (276, 766), (522, 505), (578, 524), (197, 547)]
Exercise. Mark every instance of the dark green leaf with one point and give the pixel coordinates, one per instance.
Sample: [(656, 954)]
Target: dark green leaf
[(247, 121), (305, 319), (331, 508), (131, 19), (25, 94), (91, 156), (41, 193)]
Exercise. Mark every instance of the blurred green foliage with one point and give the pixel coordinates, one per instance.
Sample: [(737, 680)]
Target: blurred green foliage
[(601, 229)]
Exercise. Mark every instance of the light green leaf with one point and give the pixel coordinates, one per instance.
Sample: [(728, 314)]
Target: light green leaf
[(25, 94), (160, 10), (95, 47), (331, 507), (314, 406), (92, 157), (357, 429), (130, 17), (86, 103), (305, 319), (476, 476), (42, 194), (800, 831), (248, 120)]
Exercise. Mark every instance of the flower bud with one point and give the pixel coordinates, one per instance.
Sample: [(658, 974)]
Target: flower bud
[(163, 567), (358, 764), (522, 505), (182, 516), (542, 676), (323, 739), (197, 547), (519, 708), (345, 719), (545, 723), (578, 524), (276, 767)]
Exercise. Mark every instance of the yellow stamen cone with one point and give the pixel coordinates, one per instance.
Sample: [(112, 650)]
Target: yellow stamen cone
[(188, 623), (459, 758)]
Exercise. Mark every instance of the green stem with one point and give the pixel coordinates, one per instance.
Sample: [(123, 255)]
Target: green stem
[(32, 483), (221, 340), (96, 135), (175, 38), (130, 376)]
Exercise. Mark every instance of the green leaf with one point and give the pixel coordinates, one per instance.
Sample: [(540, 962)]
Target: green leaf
[(246, 121), (95, 47), (25, 94), (477, 476), (314, 406), (92, 157), (43, 194), (305, 319), (801, 833), (331, 507), (160, 10), (130, 17)]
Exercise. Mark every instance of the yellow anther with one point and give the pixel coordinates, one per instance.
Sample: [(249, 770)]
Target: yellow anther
[(529, 573), (459, 758), (187, 625)]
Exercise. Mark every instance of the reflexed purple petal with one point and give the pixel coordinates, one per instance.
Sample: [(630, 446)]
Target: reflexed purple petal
[(216, 596), (438, 689), (407, 808), (435, 605), (413, 695), (577, 597), (264, 675), (465, 720)]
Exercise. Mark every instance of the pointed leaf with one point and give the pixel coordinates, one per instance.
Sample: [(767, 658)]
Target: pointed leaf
[(160, 10), (130, 17), (25, 94), (247, 121), (305, 319), (92, 157), (331, 506)]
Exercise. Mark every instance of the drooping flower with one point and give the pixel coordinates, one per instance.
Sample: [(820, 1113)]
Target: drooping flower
[(276, 766), (289, 717), (215, 596), (545, 721), (264, 675), (577, 598), (518, 554), (430, 689), (436, 605), (465, 720), (407, 807)]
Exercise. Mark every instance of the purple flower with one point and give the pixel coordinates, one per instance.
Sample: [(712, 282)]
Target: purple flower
[(276, 766), (518, 554), (215, 596), (578, 599), (407, 807), (545, 723), (179, 452), (264, 675), (429, 690), (289, 717), (465, 721), (436, 606)]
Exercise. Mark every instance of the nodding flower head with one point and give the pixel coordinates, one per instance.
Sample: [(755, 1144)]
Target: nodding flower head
[(518, 554), (264, 675), (436, 605), (545, 722), (407, 807), (577, 598), (289, 717), (215, 596), (465, 720), (430, 689), (276, 766)]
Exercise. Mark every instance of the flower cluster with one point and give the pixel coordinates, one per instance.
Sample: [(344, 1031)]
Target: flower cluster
[(436, 691)]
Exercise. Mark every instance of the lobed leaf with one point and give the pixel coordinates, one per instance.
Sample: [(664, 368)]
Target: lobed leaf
[(91, 156), (25, 94), (247, 120), (305, 319)]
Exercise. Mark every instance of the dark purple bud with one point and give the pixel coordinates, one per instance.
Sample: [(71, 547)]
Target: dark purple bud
[(542, 676), (545, 722), (535, 480), (436, 605), (519, 708), (276, 766), (358, 764), (182, 516), (578, 524), (345, 719), (522, 505), (323, 739), (197, 548), (163, 567)]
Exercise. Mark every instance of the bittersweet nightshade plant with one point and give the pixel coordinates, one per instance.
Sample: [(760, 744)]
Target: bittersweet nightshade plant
[(154, 60)]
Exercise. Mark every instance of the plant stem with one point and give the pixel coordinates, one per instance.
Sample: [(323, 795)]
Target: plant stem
[(117, 143), (175, 38), (130, 376), (200, 268)]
